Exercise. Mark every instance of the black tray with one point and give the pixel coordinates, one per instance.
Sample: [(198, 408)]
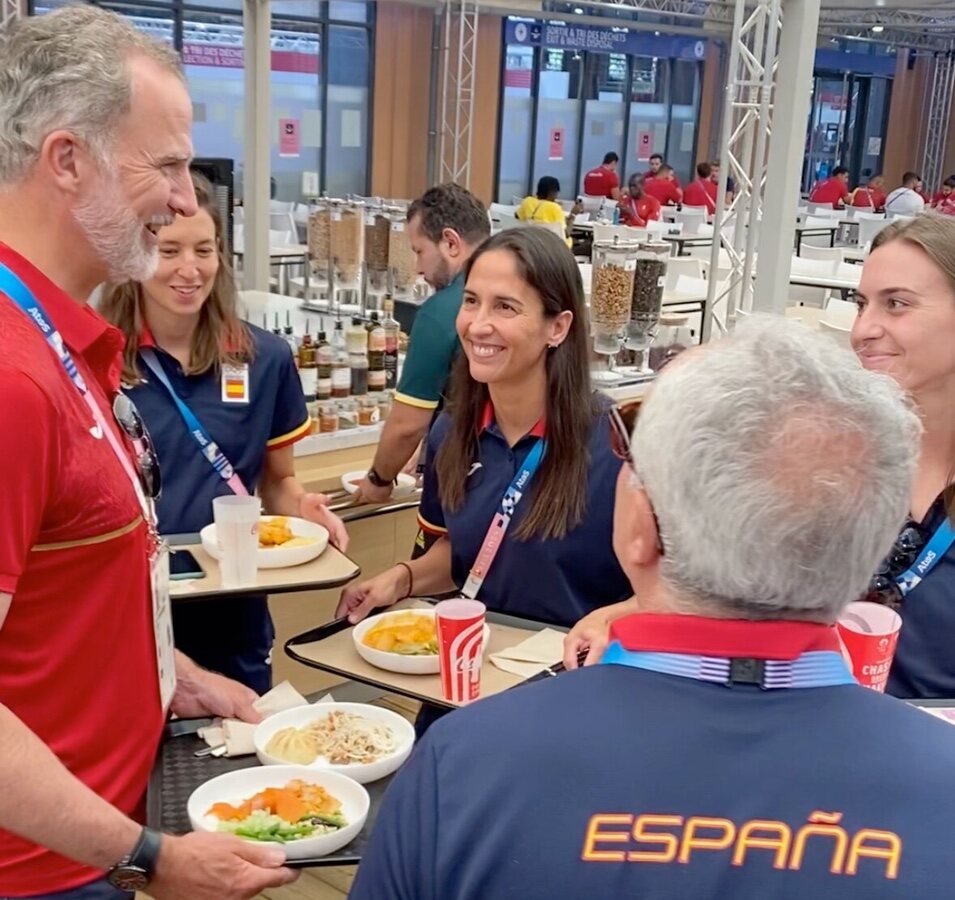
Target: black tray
[(177, 773)]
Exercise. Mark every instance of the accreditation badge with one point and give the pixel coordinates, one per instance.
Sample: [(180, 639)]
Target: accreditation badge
[(162, 626), (235, 383)]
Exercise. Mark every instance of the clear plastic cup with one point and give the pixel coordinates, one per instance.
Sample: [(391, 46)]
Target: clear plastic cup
[(237, 534)]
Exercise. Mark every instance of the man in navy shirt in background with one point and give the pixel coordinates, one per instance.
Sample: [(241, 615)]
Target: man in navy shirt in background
[(721, 751)]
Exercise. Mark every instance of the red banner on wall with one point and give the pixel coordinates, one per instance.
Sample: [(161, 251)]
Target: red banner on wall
[(226, 57)]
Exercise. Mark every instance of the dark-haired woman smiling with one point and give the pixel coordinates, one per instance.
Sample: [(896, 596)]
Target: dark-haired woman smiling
[(522, 457)]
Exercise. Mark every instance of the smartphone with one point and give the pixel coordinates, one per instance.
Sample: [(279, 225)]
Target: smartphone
[(183, 565)]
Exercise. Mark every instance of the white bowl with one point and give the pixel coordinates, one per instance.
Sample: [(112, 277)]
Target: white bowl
[(234, 787), (405, 486), (397, 662), (277, 557), (363, 773)]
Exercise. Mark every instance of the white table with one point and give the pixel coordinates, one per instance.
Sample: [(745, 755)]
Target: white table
[(844, 278)]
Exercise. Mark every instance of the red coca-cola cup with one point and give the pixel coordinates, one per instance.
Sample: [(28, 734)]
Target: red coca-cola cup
[(460, 627), (870, 633)]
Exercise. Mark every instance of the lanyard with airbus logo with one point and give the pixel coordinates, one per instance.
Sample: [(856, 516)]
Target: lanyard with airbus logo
[(931, 553), (502, 520)]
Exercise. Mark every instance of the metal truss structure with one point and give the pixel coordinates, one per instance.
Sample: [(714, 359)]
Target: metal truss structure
[(10, 10), (456, 103), (746, 133), (939, 117)]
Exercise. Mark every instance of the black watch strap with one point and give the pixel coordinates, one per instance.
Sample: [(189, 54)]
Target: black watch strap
[(145, 854), (377, 480)]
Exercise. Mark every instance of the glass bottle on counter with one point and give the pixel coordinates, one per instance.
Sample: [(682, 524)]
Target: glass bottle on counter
[(341, 372), (289, 334), (376, 355), (308, 368), (356, 338), (358, 364), (327, 417), (391, 329), (325, 357)]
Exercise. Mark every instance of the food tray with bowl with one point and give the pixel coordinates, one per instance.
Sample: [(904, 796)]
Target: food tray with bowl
[(403, 641), (283, 541), (364, 742), (309, 812)]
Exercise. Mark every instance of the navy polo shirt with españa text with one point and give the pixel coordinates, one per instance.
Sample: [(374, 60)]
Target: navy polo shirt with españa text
[(555, 580), (613, 782), (924, 664), (273, 416)]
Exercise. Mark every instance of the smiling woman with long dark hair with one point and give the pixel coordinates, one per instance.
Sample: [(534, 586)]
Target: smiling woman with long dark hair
[(523, 423)]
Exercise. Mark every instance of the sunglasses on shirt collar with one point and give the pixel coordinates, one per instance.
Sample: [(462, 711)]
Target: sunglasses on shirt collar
[(883, 587), (144, 452)]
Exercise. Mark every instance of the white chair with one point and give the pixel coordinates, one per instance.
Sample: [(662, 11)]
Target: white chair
[(566, 205), (592, 205), (834, 255), (898, 217), (822, 209), (841, 313), (868, 229), (841, 335), (683, 267), (808, 315), (692, 217), (553, 227), (281, 238), (687, 284), (632, 233), (281, 206), (282, 222)]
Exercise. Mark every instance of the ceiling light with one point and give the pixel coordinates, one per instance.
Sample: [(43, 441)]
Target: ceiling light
[(579, 10), (878, 29), (656, 33)]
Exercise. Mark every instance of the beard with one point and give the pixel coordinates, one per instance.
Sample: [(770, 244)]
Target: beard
[(115, 233), (441, 277)]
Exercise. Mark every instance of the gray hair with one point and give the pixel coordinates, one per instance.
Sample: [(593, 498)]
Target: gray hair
[(68, 70), (780, 472)]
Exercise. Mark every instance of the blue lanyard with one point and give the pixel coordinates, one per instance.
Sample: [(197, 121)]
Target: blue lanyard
[(24, 298), (931, 553), (502, 520), (816, 668), (209, 450)]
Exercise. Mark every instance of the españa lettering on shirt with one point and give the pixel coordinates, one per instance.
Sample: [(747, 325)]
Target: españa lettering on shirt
[(678, 840)]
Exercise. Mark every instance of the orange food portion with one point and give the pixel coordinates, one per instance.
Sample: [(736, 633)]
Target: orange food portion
[(399, 631), (293, 802), (274, 532)]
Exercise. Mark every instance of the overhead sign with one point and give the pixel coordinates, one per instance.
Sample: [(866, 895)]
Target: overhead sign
[(599, 39)]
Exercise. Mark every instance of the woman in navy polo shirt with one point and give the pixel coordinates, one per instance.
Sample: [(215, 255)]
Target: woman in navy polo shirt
[(521, 391), (241, 384)]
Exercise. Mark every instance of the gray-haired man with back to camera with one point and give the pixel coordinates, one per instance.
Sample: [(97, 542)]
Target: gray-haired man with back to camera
[(721, 750), (95, 144)]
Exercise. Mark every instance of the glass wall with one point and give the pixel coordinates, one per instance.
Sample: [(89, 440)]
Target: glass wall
[(306, 82), (563, 109)]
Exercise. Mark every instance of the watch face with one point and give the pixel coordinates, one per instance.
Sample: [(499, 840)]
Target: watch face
[(128, 878)]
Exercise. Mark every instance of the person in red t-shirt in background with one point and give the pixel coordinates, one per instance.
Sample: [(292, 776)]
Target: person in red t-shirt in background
[(871, 196), (834, 190), (664, 187), (603, 181), (944, 201), (702, 192), (657, 165), (636, 206)]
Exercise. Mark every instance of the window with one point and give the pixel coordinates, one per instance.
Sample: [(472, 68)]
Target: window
[(348, 110)]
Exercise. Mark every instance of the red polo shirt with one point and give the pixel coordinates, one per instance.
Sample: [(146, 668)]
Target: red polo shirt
[(77, 651), (600, 182), (701, 192), (639, 212), (868, 198), (666, 190), (832, 190)]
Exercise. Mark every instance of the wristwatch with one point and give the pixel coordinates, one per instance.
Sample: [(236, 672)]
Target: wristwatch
[(377, 480), (135, 871)]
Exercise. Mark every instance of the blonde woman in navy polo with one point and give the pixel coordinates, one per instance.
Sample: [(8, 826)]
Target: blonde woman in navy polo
[(520, 391), (241, 384)]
